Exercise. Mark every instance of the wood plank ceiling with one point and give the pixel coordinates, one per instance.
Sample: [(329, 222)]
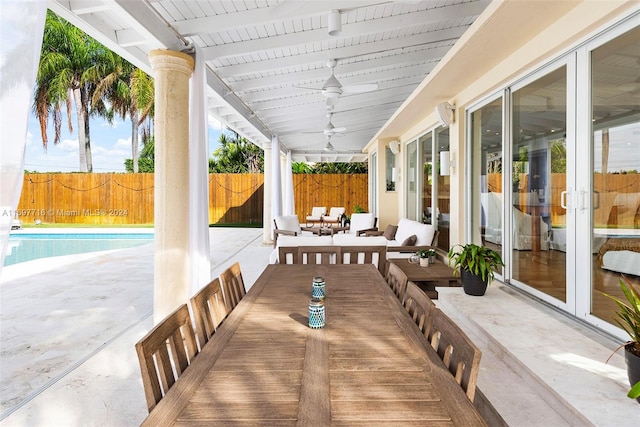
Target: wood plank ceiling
[(267, 60)]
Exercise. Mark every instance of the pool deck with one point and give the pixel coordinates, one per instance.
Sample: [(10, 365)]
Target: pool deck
[(68, 326)]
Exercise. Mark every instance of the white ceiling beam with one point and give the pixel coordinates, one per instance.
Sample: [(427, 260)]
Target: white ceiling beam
[(308, 96), (348, 30), (129, 37), (320, 58), (294, 95), (264, 15), (320, 75), (87, 6)]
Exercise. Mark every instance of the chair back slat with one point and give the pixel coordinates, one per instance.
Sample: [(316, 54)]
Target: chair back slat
[(420, 308), (232, 286), (319, 255), (164, 354), (397, 280), (209, 310), (376, 255), (288, 255), (456, 350)]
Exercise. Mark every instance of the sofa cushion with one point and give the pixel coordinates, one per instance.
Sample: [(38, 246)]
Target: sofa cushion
[(409, 241), (351, 240), (361, 221), (423, 232), (390, 232), (310, 240)]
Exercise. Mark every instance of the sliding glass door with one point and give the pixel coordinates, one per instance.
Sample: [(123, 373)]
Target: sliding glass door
[(538, 210), (613, 211), (566, 216)]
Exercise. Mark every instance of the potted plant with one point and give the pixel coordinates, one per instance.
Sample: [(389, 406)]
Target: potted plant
[(424, 254), (431, 254), (476, 265), (628, 318)]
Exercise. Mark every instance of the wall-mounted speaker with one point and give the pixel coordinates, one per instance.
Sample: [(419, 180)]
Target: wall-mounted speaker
[(444, 111), (394, 146)]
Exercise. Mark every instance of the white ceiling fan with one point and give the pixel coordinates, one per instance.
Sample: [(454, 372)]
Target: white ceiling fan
[(332, 88), (330, 129)]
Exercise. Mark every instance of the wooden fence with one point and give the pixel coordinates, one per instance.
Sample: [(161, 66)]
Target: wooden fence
[(128, 198)]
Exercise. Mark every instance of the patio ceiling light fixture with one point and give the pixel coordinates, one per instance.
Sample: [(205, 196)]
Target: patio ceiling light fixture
[(335, 23), (447, 163)]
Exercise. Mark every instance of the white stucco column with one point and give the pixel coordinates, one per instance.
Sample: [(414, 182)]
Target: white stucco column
[(172, 272), (267, 219)]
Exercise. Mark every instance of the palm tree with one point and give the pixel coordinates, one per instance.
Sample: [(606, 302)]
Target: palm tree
[(236, 155), (68, 58), (129, 91)]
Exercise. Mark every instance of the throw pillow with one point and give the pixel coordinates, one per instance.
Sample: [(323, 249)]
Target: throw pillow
[(410, 241), (390, 232)]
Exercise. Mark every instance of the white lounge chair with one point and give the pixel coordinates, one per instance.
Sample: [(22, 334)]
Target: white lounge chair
[(317, 213), (334, 217)]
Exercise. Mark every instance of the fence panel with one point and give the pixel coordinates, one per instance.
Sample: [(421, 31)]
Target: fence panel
[(106, 199)]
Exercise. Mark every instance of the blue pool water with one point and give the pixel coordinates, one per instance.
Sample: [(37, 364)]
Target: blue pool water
[(27, 247)]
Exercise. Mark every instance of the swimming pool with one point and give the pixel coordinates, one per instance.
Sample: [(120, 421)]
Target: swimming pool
[(27, 247)]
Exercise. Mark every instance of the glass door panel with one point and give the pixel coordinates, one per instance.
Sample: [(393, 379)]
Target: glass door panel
[(373, 174), (442, 199), (539, 159), (487, 198), (412, 180), (615, 210), (427, 178)]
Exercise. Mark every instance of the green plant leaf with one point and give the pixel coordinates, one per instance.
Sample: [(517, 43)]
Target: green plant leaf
[(634, 393)]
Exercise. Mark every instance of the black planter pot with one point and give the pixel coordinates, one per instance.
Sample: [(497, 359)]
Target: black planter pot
[(633, 367), (472, 284)]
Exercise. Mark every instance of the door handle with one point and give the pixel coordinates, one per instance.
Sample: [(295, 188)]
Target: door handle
[(583, 199), (563, 200)]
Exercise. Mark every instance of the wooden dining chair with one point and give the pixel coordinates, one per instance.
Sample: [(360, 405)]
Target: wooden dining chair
[(420, 308), (319, 255), (288, 254), (164, 354), (365, 255), (397, 280), (209, 310), (232, 286), (456, 350)]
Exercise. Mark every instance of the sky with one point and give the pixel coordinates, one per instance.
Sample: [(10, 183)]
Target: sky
[(110, 145)]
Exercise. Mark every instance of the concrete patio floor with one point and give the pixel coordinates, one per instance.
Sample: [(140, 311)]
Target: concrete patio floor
[(68, 326)]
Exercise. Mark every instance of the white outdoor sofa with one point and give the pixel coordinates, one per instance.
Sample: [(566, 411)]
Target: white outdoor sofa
[(395, 249)]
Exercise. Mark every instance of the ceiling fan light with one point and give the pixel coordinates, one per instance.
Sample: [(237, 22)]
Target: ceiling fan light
[(334, 23), (332, 102), (332, 92)]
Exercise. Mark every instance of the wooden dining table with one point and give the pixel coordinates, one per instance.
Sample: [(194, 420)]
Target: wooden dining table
[(369, 365)]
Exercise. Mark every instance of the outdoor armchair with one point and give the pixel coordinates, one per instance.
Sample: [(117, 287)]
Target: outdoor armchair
[(288, 225), (334, 216), (317, 213)]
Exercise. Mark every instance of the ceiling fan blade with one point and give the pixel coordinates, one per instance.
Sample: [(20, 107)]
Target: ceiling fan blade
[(366, 87), (308, 88), (340, 129)]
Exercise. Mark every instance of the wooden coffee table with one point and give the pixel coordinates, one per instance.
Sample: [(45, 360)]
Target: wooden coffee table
[(427, 278)]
